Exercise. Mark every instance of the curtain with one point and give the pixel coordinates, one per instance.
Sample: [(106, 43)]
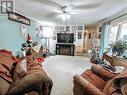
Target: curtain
[(105, 37)]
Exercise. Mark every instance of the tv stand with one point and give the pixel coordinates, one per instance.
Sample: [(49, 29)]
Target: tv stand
[(65, 49)]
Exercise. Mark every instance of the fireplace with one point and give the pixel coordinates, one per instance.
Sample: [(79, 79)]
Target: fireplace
[(65, 49)]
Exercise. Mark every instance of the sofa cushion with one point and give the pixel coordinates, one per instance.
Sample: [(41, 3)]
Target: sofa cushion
[(20, 70), (36, 81), (6, 65), (94, 79), (4, 86), (103, 72)]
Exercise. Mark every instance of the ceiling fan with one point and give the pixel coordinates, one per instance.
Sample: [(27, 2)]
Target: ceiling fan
[(63, 12), (66, 8)]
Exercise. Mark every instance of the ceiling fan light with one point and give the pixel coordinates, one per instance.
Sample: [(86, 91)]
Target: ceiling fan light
[(65, 17), (68, 17)]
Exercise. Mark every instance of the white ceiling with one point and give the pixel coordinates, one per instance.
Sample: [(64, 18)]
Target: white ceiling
[(87, 11)]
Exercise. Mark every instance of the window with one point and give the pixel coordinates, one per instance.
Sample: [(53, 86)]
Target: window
[(123, 34), (47, 31), (113, 34)]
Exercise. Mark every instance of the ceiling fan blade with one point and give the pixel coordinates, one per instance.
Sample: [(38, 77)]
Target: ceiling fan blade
[(47, 2), (51, 14), (57, 11), (74, 13), (90, 6)]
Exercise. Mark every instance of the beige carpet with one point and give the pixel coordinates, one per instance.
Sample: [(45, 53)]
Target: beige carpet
[(61, 70)]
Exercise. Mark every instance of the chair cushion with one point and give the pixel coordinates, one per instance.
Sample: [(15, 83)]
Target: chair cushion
[(94, 79), (109, 89), (116, 81), (103, 72)]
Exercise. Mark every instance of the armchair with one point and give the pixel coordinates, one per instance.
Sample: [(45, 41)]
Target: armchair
[(100, 81)]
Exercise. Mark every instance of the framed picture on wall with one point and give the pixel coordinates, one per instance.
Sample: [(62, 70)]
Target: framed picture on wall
[(79, 35), (80, 27), (54, 38), (99, 36), (74, 28), (54, 32), (57, 28), (67, 28), (61, 28)]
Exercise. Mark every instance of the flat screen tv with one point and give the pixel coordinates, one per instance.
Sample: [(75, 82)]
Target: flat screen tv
[(65, 37)]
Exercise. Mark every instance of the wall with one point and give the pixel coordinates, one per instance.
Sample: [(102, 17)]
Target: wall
[(91, 37), (10, 35)]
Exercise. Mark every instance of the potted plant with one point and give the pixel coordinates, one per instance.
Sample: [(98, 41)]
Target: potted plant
[(119, 48)]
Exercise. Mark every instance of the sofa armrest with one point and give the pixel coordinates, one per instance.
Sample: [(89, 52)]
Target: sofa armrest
[(123, 86), (103, 72), (85, 87)]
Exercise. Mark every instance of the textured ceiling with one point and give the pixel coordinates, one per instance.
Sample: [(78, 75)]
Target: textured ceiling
[(81, 11)]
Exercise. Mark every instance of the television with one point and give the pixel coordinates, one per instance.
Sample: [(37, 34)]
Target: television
[(65, 37)]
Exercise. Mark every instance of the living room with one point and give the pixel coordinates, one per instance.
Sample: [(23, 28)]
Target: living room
[(65, 38)]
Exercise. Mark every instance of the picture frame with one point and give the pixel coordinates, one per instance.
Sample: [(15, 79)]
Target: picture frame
[(62, 28), (6, 6), (18, 18), (74, 28), (54, 38), (54, 32), (80, 27), (79, 35), (67, 28), (99, 36), (57, 28)]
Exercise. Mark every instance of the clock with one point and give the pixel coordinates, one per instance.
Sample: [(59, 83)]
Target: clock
[(23, 29)]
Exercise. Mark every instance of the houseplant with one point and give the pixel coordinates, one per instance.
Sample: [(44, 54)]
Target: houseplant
[(119, 48)]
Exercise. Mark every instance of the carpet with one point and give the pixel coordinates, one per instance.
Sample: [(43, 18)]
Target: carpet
[(61, 70)]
